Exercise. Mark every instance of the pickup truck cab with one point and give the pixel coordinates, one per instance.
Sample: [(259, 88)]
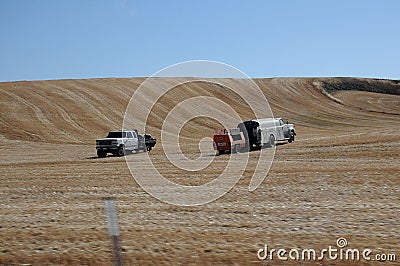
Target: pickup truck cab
[(123, 141)]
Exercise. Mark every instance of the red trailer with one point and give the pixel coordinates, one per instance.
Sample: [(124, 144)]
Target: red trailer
[(232, 141)]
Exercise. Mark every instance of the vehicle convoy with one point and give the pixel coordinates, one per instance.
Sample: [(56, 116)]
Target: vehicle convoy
[(232, 141), (122, 142), (265, 132)]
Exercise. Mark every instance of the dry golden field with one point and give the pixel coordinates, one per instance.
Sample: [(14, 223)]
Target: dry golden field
[(340, 178)]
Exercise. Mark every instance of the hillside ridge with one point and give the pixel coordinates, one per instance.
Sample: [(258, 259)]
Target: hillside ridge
[(79, 111)]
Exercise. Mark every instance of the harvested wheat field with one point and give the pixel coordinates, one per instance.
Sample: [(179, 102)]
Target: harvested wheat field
[(340, 178)]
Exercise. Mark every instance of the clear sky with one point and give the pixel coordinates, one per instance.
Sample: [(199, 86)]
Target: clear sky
[(300, 38)]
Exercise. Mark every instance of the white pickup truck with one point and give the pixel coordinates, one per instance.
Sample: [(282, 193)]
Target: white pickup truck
[(265, 132), (121, 142)]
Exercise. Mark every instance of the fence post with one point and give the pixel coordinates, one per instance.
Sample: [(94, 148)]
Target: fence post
[(112, 222)]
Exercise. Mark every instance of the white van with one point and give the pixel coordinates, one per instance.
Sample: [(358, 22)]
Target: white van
[(266, 131)]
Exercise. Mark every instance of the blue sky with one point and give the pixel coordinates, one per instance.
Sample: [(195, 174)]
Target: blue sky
[(122, 38)]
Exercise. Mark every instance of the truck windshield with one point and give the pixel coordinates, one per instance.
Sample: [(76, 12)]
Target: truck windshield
[(236, 137), (116, 135)]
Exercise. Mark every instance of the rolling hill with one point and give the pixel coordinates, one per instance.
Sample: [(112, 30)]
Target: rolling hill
[(340, 178)]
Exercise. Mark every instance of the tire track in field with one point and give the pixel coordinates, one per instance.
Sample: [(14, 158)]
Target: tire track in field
[(39, 114), (94, 111), (64, 114), (100, 100)]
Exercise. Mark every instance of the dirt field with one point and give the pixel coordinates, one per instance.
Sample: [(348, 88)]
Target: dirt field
[(340, 178)]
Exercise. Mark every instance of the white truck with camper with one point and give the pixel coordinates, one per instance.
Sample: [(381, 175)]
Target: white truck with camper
[(122, 142), (266, 132)]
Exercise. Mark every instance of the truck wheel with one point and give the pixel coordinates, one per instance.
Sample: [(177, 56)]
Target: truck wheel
[(120, 151), (291, 139), (271, 141), (236, 149), (101, 154)]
